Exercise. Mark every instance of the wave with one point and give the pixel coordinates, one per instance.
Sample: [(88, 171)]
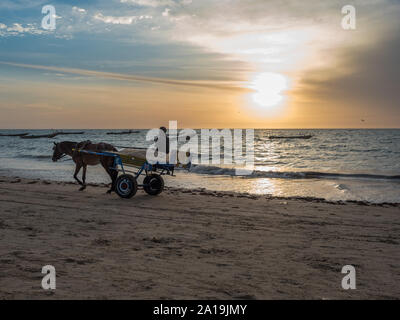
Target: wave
[(214, 170), (35, 156)]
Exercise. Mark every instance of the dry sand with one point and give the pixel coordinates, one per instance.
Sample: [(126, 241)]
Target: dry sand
[(191, 245)]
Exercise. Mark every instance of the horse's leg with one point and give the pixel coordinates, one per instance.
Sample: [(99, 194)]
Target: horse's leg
[(83, 178), (114, 176), (77, 169), (107, 163)]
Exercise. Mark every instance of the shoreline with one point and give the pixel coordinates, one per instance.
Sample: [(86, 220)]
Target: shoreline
[(191, 244), (214, 193)]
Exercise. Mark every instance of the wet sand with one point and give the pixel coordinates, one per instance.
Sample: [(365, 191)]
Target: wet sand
[(192, 244)]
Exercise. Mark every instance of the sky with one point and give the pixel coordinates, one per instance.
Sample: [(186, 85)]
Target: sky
[(205, 64)]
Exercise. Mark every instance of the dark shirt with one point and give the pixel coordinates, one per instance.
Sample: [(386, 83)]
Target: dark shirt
[(166, 143)]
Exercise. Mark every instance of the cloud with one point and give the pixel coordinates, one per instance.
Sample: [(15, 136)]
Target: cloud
[(17, 29), (78, 10), (120, 20), (367, 74), (150, 3), (362, 84), (221, 40), (21, 4), (217, 85)]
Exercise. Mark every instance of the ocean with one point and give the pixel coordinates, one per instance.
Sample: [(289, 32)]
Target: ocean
[(345, 164)]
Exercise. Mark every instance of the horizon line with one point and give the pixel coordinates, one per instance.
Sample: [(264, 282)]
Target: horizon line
[(182, 128)]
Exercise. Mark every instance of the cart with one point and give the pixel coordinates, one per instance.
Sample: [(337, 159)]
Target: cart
[(126, 184)]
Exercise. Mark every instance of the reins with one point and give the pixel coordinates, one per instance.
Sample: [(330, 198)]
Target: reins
[(63, 156)]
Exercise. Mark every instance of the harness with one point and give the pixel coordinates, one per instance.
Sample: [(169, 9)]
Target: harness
[(62, 156)]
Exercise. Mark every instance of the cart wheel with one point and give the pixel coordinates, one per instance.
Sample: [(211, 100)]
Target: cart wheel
[(126, 186), (153, 184)]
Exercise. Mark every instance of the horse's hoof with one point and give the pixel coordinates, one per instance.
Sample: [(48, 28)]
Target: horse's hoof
[(82, 188), (109, 191)]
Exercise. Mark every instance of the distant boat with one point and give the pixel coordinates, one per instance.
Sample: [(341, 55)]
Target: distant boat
[(76, 132), (14, 135), (52, 135), (291, 137), (123, 132)]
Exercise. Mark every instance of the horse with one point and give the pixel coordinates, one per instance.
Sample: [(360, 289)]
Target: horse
[(82, 160)]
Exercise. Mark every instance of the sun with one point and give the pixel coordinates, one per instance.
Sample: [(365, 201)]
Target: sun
[(268, 89)]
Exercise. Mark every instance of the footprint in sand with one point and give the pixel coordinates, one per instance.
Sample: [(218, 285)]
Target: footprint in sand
[(101, 242)]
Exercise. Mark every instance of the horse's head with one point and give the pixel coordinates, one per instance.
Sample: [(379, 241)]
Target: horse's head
[(57, 153)]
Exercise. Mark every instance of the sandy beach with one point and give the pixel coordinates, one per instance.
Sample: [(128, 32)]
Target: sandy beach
[(191, 245)]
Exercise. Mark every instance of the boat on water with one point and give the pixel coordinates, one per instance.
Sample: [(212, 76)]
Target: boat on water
[(291, 137), (14, 135), (124, 132), (52, 135), (76, 132)]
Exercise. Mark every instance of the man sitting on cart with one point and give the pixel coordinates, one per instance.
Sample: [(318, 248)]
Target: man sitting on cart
[(164, 149)]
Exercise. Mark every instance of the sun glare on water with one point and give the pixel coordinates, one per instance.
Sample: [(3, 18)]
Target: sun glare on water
[(268, 89)]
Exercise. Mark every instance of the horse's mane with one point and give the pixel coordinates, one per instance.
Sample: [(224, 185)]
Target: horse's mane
[(88, 145), (69, 143)]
